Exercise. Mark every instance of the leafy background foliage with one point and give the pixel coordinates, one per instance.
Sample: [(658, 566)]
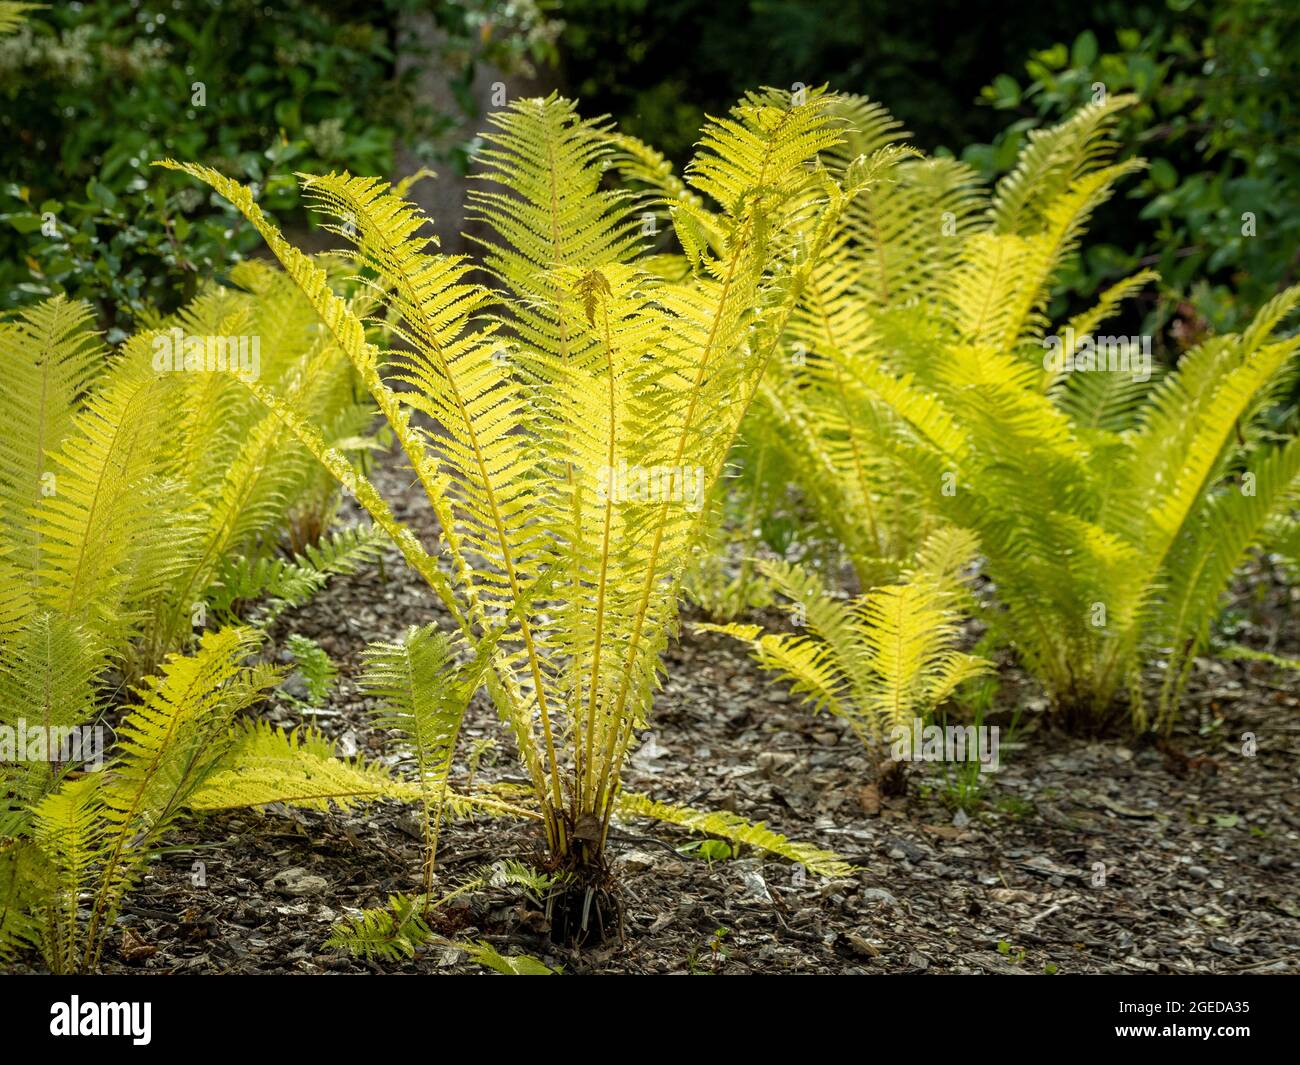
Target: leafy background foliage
[(93, 92)]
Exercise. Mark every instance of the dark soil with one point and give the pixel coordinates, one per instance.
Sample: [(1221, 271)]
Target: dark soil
[(1081, 857)]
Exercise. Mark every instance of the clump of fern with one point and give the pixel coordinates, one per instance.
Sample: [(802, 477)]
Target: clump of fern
[(134, 499), (76, 838), (515, 404), (70, 856), (915, 391), (883, 660)]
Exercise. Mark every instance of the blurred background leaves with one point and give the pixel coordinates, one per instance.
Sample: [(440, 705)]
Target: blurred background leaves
[(92, 92)]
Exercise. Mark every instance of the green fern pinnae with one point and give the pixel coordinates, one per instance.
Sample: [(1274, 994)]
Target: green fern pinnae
[(266, 765), (421, 697), (1205, 428), (457, 382), (1047, 251), (736, 829), (282, 583), (314, 665), (396, 931), (169, 743), (390, 933), (1246, 654), (93, 527), (1055, 159), (883, 660), (348, 331), (25, 893), (49, 356), (69, 829), (642, 166), (540, 195), (364, 492), (48, 679), (505, 964), (1230, 523)]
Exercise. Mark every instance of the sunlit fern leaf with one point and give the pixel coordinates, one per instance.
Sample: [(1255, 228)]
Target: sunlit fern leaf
[(641, 165), (882, 660), (909, 632), (541, 172), (70, 831), (423, 697), (1052, 161), (736, 829), (268, 765), (13, 15), (1108, 303), (48, 676), (945, 554), (95, 528), (169, 743), (753, 153), (301, 768), (49, 355), (1230, 523), (339, 318), (1048, 249), (1185, 429), (458, 382), (505, 964), (805, 664)]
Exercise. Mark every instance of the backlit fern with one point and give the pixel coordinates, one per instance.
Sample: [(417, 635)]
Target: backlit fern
[(520, 406)]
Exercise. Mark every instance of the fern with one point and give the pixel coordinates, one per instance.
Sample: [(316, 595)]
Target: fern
[(1246, 654), (317, 670), (266, 765), (13, 15), (515, 404), (390, 933), (283, 583), (78, 842), (882, 661), (396, 931)]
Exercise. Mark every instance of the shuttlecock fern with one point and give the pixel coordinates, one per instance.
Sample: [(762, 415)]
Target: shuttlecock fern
[(524, 407)]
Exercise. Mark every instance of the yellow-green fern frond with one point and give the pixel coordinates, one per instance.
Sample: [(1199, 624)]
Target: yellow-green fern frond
[(49, 355), (70, 832), (1053, 160), (736, 829), (268, 765), (13, 15)]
